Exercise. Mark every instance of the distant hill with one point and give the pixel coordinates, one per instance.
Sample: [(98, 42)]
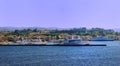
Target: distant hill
[(21, 28), (39, 28)]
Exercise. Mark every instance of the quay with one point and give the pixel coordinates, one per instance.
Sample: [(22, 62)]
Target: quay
[(57, 45)]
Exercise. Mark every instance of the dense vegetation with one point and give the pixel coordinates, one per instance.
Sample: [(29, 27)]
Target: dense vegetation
[(84, 31), (94, 32)]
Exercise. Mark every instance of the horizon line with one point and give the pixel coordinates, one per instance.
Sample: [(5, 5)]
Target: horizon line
[(53, 27)]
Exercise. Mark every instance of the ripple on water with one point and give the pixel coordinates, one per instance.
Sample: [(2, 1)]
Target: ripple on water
[(59, 56)]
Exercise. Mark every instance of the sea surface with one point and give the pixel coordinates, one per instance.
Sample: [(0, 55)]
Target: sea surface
[(62, 55)]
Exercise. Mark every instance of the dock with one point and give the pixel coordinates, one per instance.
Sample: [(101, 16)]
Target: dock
[(57, 45)]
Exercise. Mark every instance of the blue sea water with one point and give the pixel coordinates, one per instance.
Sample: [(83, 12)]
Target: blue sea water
[(61, 55)]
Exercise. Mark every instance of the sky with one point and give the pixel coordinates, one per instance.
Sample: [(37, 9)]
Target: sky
[(60, 13)]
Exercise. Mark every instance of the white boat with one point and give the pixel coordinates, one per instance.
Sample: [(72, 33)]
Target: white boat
[(75, 41), (101, 39)]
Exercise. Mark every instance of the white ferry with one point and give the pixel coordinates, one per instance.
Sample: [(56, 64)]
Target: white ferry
[(75, 41)]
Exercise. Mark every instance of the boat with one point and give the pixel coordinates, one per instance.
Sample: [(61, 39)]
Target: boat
[(75, 41), (101, 39)]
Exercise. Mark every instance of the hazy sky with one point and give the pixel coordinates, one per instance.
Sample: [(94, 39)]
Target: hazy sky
[(60, 13)]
